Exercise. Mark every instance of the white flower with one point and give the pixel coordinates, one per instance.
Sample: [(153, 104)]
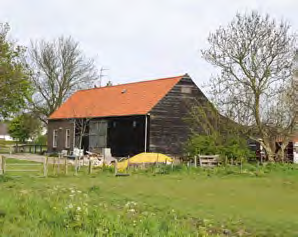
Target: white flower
[(78, 209), (70, 206), (132, 210)]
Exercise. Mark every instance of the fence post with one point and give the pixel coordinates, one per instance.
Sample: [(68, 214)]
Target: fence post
[(200, 161), (196, 161), (66, 166), (1, 169), (45, 166), (116, 164), (58, 166), (54, 164), (76, 165), (90, 166), (3, 164)]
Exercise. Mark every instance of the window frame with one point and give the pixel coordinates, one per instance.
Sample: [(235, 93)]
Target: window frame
[(55, 138), (186, 89), (67, 138)]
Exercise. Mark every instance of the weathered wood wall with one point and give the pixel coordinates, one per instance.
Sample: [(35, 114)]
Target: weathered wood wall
[(126, 135), (61, 125), (168, 128)]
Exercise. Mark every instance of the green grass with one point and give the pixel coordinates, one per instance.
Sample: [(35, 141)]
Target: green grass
[(3, 142), (261, 201)]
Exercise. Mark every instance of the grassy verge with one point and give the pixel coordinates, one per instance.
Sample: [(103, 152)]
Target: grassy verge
[(184, 202)]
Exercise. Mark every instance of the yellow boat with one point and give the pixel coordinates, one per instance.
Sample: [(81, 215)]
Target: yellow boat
[(145, 157)]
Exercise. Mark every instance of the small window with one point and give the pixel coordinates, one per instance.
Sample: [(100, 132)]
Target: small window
[(55, 138), (134, 124), (67, 138), (186, 89)]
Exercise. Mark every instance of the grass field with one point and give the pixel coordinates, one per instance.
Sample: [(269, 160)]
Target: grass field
[(220, 202)]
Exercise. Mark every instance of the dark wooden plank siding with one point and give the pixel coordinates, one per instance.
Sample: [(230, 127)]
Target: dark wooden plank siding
[(168, 128), (61, 126), (126, 135)]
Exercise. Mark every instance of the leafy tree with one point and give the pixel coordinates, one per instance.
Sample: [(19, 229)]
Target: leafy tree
[(41, 140), (14, 83), (255, 56), (24, 127), (58, 69)]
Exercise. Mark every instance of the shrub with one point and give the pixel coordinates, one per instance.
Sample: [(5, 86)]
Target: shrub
[(231, 146)]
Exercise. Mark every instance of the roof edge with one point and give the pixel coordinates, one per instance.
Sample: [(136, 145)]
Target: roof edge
[(127, 115), (129, 83)]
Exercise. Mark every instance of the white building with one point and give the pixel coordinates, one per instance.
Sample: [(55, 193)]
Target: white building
[(3, 133)]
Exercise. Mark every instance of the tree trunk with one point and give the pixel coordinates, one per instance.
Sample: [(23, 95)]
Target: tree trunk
[(270, 149), (281, 152)]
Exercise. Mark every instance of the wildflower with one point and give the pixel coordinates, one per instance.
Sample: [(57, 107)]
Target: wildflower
[(78, 209), (132, 210), (70, 206)]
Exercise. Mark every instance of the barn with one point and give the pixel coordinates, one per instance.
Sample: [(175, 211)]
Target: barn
[(146, 116)]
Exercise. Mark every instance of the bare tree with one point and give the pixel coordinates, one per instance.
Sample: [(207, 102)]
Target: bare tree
[(255, 55), (58, 69)]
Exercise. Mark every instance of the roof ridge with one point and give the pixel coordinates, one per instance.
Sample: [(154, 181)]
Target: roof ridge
[(145, 81)]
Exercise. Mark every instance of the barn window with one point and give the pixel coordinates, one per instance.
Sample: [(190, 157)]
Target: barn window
[(55, 138), (186, 89), (67, 138)]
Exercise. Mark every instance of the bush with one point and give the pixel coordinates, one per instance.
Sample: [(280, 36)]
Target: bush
[(231, 146)]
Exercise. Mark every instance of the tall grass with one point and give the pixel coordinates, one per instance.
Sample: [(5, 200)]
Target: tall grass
[(158, 201), (61, 211)]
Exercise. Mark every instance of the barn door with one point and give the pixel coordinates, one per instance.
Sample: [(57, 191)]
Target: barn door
[(98, 134)]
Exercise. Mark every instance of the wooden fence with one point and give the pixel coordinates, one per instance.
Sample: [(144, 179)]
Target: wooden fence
[(57, 166), (30, 148), (208, 160), (22, 167)]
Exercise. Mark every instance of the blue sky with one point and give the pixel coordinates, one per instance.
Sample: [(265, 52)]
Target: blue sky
[(137, 39)]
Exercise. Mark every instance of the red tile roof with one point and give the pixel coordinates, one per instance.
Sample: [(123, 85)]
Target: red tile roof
[(128, 99)]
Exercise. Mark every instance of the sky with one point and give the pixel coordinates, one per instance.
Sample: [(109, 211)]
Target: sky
[(137, 39)]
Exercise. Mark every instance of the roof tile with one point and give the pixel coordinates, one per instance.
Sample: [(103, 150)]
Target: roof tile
[(128, 99)]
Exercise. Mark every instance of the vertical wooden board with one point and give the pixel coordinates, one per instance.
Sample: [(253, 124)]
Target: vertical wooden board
[(168, 128), (1, 168)]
